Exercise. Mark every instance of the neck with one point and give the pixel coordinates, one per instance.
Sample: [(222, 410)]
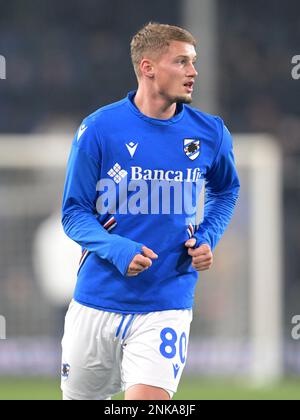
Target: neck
[(154, 106)]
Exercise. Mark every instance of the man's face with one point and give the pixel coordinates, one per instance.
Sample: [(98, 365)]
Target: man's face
[(174, 72)]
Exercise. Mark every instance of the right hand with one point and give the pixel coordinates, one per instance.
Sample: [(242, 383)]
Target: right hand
[(141, 262)]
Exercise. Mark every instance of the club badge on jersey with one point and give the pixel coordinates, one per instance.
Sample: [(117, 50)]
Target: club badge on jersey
[(65, 370), (192, 148)]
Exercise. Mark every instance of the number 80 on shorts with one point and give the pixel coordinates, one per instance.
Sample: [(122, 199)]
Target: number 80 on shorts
[(169, 343)]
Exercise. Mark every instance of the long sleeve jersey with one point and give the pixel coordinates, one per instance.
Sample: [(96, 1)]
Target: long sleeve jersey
[(133, 180)]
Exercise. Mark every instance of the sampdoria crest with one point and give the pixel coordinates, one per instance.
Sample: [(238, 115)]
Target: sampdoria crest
[(192, 148), (65, 370)]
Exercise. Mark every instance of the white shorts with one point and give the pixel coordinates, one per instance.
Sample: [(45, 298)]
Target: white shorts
[(104, 353)]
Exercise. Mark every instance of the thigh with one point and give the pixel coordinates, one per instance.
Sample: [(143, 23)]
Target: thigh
[(90, 355), (155, 350)]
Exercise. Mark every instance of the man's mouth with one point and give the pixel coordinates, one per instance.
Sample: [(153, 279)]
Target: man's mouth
[(189, 86)]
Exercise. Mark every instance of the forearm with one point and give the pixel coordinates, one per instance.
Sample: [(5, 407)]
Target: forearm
[(218, 211), (83, 228)]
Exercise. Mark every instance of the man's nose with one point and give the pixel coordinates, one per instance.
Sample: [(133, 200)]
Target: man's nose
[(192, 70)]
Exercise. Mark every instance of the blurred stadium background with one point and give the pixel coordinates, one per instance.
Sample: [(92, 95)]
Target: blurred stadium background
[(66, 60)]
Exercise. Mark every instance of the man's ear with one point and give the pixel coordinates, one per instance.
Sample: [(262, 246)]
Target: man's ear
[(147, 68)]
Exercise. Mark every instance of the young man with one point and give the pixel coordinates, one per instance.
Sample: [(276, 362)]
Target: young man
[(131, 194)]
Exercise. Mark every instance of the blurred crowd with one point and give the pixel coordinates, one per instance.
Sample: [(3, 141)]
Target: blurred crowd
[(66, 59), (257, 43)]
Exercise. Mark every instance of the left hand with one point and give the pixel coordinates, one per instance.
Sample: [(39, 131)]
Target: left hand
[(202, 257)]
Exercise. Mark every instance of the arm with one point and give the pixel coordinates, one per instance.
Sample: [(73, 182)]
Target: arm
[(222, 188), (79, 205)]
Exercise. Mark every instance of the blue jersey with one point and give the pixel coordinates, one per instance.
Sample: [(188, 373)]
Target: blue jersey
[(133, 181)]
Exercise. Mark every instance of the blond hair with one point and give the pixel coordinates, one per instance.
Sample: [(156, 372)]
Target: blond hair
[(154, 38)]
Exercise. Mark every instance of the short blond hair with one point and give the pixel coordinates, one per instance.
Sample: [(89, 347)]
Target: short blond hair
[(155, 38)]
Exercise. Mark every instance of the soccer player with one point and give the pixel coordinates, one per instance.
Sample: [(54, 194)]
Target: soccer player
[(131, 196)]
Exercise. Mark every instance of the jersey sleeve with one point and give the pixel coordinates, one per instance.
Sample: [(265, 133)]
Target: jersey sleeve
[(221, 193), (79, 203)]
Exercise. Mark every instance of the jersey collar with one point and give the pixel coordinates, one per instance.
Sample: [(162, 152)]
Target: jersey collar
[(177, 117)]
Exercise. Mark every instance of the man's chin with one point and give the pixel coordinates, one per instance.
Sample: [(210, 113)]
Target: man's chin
[(184, 99)]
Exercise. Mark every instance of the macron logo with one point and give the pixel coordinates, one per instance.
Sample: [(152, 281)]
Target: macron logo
[(131, 147), (176, 369), (81, 131)]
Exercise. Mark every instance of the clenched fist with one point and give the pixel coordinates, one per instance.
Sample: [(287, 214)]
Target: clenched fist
[(202, 257), (141, 262)]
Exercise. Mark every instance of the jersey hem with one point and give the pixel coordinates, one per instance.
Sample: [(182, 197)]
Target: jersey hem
[(121, 311)]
